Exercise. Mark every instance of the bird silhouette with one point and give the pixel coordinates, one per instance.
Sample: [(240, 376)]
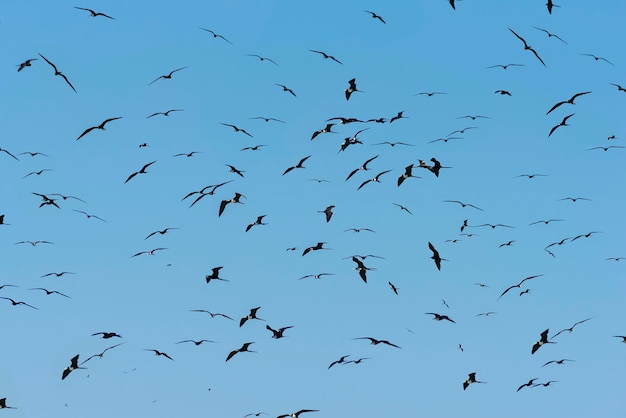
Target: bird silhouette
[(328, 212), (563, 123), (50, 292), (3, 404), (25, 64), (158, 353), (342, 360), (224, 203), (556, 362), (151, 252), (299, 165), (375, 179), (550, 35), (505, 66), (259, 221), (166, 113), (216, 35), (244, 348), (374, 341), (73, 366), (436, 257), (463, 204), (297, 414), (196, 343), (518, 285), (142, 171), (598, 58), (107, 335), (59, 73), (286, 89), (471, 379), (318, 246), (362, 167), (324, 130), (568, 101), (375, 16), (361, 268), (167, 76), (214, 275), (403, 208), (263, 58), (101, 354), (14, 303), (570, 329), (277, 333), (528, 48), (351, 88), (408, 173), (543, 340), (527, 384), (213, 314), (237, 129), (251, 315), (93, 13), (399, 115), (438, 317), (162, 232), (326, 56)]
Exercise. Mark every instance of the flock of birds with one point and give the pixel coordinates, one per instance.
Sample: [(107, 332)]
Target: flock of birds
[(230, 189)]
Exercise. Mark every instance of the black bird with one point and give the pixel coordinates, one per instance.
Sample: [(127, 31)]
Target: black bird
[(18, 303), (375, 16), (25, 64), (357, 361), (485, 313), (64, 197), (393, 287), (59, 73), (268, 119), (362, 167), (142, 171), (376, 179), (550, 35), (223, 203), (57, 274), (429, 93), (151, 252), (408, 172), (545, 384), (251, 315), (215, 35), (316, 276), (162, 232), (528, 384), (166, 113), (435, 168), (505, 66), (438, 317), (214, 275), (253, 148), (360, 267), (326, 56), (33, 154), (94, 14), (400, 115), (570, 329), (277, 333), (524, 292), (107, 335), (328, 212), (507, 244), (474, 117), (503, 92), (342, 360), (619, 88), (357, 230), (7, 285), (237, 129), (605, 148), (351, 88), (528, 48), (259, 221), (49, 169), (88, 215), (73, 366), (235, 170), (616, 258), (519, 284), (299, 165), (213, 314), (550, 5), (3, 404), (50, 292), (556, 361), (244, 348), (563, 123), (403, 208), (262, 58), (496, 225), (296, 414), (33, 243), (324, 130), (374, 341), (452, 4), (462, 131), (547, 221), (167, 76), (318, 246), (570, 101), (8, 153), (530, 176), (287, 89), (471, 379), (195, 342), (345, 121), (202, 192), (623, 337), (587, 235), (256, 414), (101, 354), (463, 204), (542, 341), (158, 353), (436, 256), (598, 58), (393, 144)]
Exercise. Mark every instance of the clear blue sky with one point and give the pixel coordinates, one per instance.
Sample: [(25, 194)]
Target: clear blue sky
[(424, 46)]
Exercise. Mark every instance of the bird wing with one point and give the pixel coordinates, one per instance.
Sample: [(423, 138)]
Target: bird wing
[(520, 38), (86, 132), (46, 59)]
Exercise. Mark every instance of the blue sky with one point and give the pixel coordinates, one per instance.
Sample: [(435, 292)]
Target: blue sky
[(424, 46)]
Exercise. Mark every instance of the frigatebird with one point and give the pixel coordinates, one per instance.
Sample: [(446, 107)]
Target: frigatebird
[(142, 171), (57, 72), (158, 353), (328, 212), (528, 48), (167, 76), (215, 271), (251, 315), (436, 256), (277, 333), (318, 246), (244, 348), (543, 340), (326, 56), (471, 379), (215, 35), (223, 203), (94, 13), (73, 366), (568, 101), (374, 341), (518, 285), (299, 165)]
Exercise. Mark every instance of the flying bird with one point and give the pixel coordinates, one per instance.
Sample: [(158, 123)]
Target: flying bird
[(166, 113), (25, 64), (375, 16), (287, 89), (518, 285), (259, 221), (375, 179), (142, 171), (151, 252), (471, 379), (213, 314), (429, 93), (50, 292), (37, 173), (9, 154), (361, 268), (197, 343), (570, 329), (547, 221), (438, 317), (527, 384), (167, 76), (543, 340), (235, 170), (277, 333), (326, 56), (237, 129), (598, 58), (107, 335), (299, 165), (528, 48), (550, 35), (223, 203), (408, 173), (94, 14), (619, 88), (503, 92), (216, 35), (14, 303), (362, 167), (57, 274), (253, 148), (88, 215), (463, 204), (158, 353), (393, 144), (316, 276), (33, 243), (393, 287), (59, 73), (324, 130), (436, 256), (215, 271), (3, 404), (162, 232), (342, 360), (556, 362), (400, 115), (374, 341), (403, 208), (101, 354), (569, 101), (505, 66), (550, 5), (606, 148), (318, 246), (328, 212), (563, 123), (73, 366), (251, 315), (262, 58), (266, 119), (351, 88), (244, 348), (297, 414)]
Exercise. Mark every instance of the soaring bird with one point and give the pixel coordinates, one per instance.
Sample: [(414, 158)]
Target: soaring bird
[(374, 341), (259, 221), (394, 289), (403, 208), (324, 130), (14, 303), (438, 317), (215, 272), (463, 204), (73, 366), (505, 66), (151, 252), (375, 16), (25, 64), (3, 404), (518, 285), (316, 276), (436, 256), (362, 167), (223, 203), (563, 123), (556, 361), (277, 333), (50, 292), (543, 340), (299, 165), (199, 342), (328, 212), (568, 101), (550, 5), (318, 246), (94, 14), (286, 89), (351, 88), (213, 314), (142, 171), (33, 243), (375, 179), (107, 335), (597, 58), (361, 268), (233, 169), (100, 354), (166, 113), (399, 115), (527, 384), (216, 35), (57, 72), (528, 48), (88, 215), (158, 353), (408, 173), (297, 414), (342, 360), (550, 35), (167, 76), (619, 88), (471, 379), (570, 329), (251, 315), (326, 56), (244, 348), (162, 232), (262, 58), (237, 129)]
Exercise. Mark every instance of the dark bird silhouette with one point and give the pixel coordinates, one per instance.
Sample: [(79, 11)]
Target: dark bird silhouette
[(616, 258), (326, 56), (547, 221), (438, 317), (570, 329), (435, 168), (142, 171), (357, 361), (107, 335), (50, 292), (496, 225), (574, 199), (393, 287), (9, 154), (505, 66), (299, 165), (623, 337), (556, 362), (59, 73), (598, 58), (375, 16), (471, 379), (254, 148), (203, 192), (151, 252), (14, 303), (563, 123), (619, 88), (197, 343), (244, 348), (376, 179), (318, 246), (528, 48), (3, 404), (158, 353), (33, 154), (527, 384), (569, 101), (351, 88), (287, 89), (345, 121), (324, 130), (474, 117), (452, 4), (485, 313), (463, 204), (550, 5), (262, 58), (400, 115), (357, 230), (33, 243), (503, 92), (408, 173), (259, 221), (162, 232), (374, 341), (393, 144), (73, 366), (550, 35), (361, 268), (25, 64), (297, 414), (429, 93), (277, 333), (507, 244), (543, 340), (237, 129), (606, 148), (101, 354), (215, 271), (266, 119), (256, 414), (38, 173), (362, 167), (233, 169), (436, 257), (216, 35), (342, 360), (213, 314), (88, 215), (518, 285), (316, 276), (167, 76), (524, 292), (545, 384), (94, 14), (251, 315), (223, 203), (57, 274), (403, 208), (166, 113), (328, 212), (462, 131)]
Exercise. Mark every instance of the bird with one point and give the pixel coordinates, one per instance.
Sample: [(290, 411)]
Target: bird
[(598, 58), (474, 117), (530, 176), (436, 256), (262, 58), (33, 154), (14, 303), (486, 313), (506, 244), (107, 335), (202, 192), (550, 5), (3, 404), (94, 14), (357, 230), (256, 414), (556, 362), (299, 165), (375, 16), (503, 92), (244, 348), (518, 285), (213, 314), (237, 129), (167, 76), (328, 212), (528, 48), (223, 203), (266, 119), (606, 148), (276, 334), (287, 89), (616, 258), (550, 35), (342, 360), (574, 199), (88, 215), (374, 341), (37, 172), (326, 56), (324, 130), (393, 144), (357, 361), (351, 88), (471, 379), (543, 340), (375, 179), (297, 414), (251, 315), (527, 384), (316, 276), (73, 366), (462, 131), (235, 170), (460, 347), (7, 285), (59, 73), (494, 226), (9, 154), (162, 232), (57, 274), (25, 64), (399, 115), (545, 384), (452, 4), (318, 246), (215, 35), (50, 292), (429, 93), (33, 243), (463, 204), (505, 66), (408, 172), (435, 168), (151, 252), (215, 271), (361, 268), (393, 287), (587, 235), (362, 167), (166, 113), (158, 353), (568, 101), (619, 88), (259, 221), (524, 292), (570, 329), (481, 285), (623, 337), (403, 208), (142, 171), (254, 148), (101, 354), (438, 317), (547, 221), (197, 343)]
